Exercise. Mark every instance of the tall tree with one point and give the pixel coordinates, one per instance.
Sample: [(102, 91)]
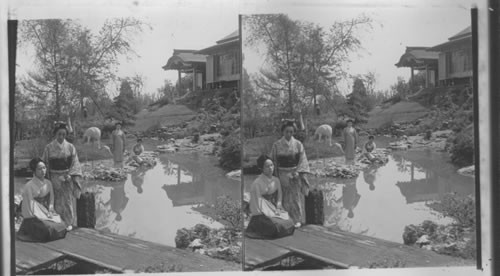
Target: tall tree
[(302, 55), (72, 63), (124, 103), (281, 36)]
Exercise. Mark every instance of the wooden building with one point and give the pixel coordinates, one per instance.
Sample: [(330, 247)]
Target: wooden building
[(455, 59), (190, 62), (223, 62), (421, 59)]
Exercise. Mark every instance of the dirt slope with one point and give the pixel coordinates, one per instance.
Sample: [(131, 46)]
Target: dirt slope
[(165, 116), (400, 112)]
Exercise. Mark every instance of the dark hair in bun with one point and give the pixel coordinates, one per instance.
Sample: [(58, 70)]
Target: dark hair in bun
[(34, 162), (288, 123), (261, 160), (60, 125)]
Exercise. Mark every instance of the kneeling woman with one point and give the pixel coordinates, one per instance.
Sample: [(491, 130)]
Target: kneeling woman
[(268, 218), (40, 221)]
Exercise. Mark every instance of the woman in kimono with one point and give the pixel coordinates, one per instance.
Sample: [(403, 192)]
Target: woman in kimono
[(118, 137), (266, 210), (38, 201), (350, 141), (291, 168), (65, 174), (138, 149)]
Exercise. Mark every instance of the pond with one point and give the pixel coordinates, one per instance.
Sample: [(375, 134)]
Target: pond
[(152, 204), (382, 200)]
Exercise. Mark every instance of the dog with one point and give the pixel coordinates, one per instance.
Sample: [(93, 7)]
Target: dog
[(323, 132)]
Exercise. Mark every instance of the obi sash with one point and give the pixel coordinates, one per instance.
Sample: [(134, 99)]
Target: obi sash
[(288, 161), (60, 164)]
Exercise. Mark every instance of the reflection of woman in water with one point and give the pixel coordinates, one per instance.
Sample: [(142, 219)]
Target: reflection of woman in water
[(369, 176), (138, 178), (350, 197), (118, 200)]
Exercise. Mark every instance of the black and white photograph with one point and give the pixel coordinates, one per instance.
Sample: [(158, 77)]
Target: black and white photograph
[(358, 138), (126, 141), (334, 137)]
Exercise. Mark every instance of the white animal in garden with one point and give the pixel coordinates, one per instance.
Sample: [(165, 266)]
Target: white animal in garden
[(324, 131), (94, 134)]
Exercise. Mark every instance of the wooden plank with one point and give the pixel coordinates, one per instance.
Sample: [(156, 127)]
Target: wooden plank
[(341, 249), (161, 252), (33, 256), (123, 253), (363, 250), (261, 253)]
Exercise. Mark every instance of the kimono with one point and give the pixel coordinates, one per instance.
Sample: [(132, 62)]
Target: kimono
[(290, 159), (368, 149), (267, 221), (118, 138), (63, 164), (351, 140), (38, 196), (264, 195), (138, 150)]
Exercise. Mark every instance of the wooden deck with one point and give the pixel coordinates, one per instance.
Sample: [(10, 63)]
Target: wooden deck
[(114, 252), (340, 249)]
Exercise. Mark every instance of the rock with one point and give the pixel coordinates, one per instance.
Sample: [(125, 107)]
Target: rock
[(201, 231), (447, 249), (468, 171), (235, 175), (427, 247), (201, 251), (429, 227), (423, 240), (411, 234), (182, 238), (196, 244)]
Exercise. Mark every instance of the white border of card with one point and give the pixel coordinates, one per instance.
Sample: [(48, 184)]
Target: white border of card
[(25, 9)]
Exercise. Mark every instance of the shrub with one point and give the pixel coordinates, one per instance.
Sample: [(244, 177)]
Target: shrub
[(229, 211), (461, 208), (37, 146), (230, 154), (462, 149)]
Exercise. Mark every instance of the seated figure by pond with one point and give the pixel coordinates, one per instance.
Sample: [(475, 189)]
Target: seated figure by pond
[(268, 218), (138, 149), (40, 221)]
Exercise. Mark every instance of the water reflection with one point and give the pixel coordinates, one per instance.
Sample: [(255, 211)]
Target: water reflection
[(350, 197), (117, 200), (369, 175), (153, 203), (383, 199), (137, 178)]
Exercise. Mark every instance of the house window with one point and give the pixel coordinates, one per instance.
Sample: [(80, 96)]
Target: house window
[(227, 64), (460, 61)]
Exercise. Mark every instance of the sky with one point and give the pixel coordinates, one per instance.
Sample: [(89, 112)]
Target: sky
[(394, 29), (197, 24), (179, 28)]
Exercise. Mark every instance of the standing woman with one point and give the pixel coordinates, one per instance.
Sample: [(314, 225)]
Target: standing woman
[(118, 145), (350, 141), (65, 174), (291, 166)]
